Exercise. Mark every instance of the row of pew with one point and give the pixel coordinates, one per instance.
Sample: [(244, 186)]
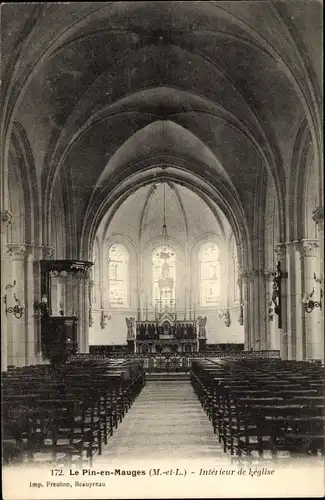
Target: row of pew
[(64, 414), (263, 408)]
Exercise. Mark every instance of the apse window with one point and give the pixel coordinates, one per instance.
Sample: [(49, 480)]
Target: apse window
[(118, 275), (236, 276), (164, 277), (209, 265)]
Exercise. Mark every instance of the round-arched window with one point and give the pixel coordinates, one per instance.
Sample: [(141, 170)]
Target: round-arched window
[(209, 277), (164, 277), (118, 275)]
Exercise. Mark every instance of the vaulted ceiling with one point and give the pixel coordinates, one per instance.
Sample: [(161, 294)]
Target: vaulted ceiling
[(187, 216), (210, 95)]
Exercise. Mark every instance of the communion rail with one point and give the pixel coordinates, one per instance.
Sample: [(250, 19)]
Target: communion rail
[(182, 362)]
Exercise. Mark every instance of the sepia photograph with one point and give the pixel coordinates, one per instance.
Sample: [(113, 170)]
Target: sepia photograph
[(162, 250)]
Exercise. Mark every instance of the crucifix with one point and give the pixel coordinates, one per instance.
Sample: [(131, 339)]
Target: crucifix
[(276, 293)]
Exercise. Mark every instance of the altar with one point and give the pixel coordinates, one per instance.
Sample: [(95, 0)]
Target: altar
[(165, 334)]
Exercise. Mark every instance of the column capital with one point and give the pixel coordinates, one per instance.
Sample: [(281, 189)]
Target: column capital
[(40, 252), (17, 251), (318, 217), (47, 252), (309, 248), (280, 250), (268, 274), (6, 218), (247, 274)]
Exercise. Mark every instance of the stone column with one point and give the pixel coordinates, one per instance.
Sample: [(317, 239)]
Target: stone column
[(91, 285), (30, 296), (248, 276), (243, 283), (37, 251), (261, 337), (41, 252), (254, 306), (294, 304), (17, 341), (318, 217), (5, 224), (141, 301), (312, 323), (280, 252), (84, 312), (272, 331)]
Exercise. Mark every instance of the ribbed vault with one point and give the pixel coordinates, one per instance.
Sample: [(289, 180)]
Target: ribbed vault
[(208, 94)]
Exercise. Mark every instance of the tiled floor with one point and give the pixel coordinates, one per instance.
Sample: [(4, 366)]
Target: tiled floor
[(166, 420)]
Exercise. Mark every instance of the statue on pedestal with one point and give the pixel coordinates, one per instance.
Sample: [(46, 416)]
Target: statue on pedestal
[(130, 323), (201, 324)]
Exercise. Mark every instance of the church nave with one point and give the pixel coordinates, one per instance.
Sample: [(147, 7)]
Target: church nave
[(162, 237), (165, 422)]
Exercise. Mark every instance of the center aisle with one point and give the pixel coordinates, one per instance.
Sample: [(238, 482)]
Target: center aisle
[(165, 421)]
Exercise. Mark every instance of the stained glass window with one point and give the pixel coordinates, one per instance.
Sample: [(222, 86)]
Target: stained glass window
[(95, 273), (209, 262), (236, 275), (93, 277), (118, 275), (164, 277)]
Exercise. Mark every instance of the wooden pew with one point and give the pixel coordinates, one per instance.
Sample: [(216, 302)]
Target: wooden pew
[(101, 390), (270, 411)]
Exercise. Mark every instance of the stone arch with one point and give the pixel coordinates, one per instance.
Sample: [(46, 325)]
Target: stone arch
[(272, 225), (298, 174), (311, 197), (24, 190), (235, 214)]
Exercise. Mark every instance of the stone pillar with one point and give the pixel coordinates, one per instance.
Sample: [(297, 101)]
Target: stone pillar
[(83, 321), (142, 304), (254, 306), (37, 256), (318, 217), (41, 252), (91, 286), (30, 319), (280, 252), (248, 277), (314, 344), (272, 331), (243, 283), (261, 336), (17, 340), (294, 304), (5, 276)]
